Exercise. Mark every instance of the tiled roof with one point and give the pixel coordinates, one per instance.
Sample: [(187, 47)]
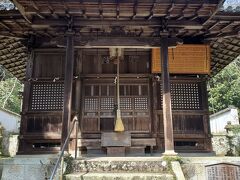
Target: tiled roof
[(199, 20)]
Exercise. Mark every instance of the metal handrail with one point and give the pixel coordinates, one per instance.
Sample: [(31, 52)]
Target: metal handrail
[(75, 119)]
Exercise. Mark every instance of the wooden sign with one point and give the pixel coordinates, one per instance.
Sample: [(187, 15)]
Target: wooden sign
[(115, 139), (223, 171), (184, 59)]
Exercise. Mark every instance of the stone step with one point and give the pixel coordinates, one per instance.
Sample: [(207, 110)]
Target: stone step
[(119, 176), (118, 164)]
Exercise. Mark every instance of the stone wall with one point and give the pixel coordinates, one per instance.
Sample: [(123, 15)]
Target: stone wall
[(32, 167), (9, 144), (226, 144), (220, 144)]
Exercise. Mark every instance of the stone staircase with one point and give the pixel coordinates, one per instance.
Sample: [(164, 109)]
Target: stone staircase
[(120, 168)]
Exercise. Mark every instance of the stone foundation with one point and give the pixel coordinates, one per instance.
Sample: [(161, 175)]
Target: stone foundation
[(111, 164)]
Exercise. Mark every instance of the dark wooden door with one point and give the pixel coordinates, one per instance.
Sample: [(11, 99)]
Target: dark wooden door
[(99, 102)]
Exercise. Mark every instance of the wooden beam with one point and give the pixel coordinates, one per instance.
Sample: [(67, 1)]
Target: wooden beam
[(21, 10), (52, 10), (123, 42), (196, 13), (65, 8), (168, 12), (68, 81), (151, 11), (227, 26), (135, 9), (213, 25), (181, 16), (215, 12), (233, 34), (93, 23), (166, 95), (117, 9), (5, 26), (100, 9), (18, 24)]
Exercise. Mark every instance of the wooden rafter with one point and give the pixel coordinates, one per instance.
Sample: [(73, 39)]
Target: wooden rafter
[(100, 9), (151, 11), (117, 9), (34, 5), (21, 10), (5, 26), (65, 8), (52, 10), (196, 13), (221, 2), (181, 16), (135, 9)]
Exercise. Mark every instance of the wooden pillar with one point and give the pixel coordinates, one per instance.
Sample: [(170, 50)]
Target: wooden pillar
[(167, 109), (68, 81)]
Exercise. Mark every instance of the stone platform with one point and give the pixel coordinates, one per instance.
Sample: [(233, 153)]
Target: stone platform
[(120, 168), (120, 164), (119, 176), (193, 167)]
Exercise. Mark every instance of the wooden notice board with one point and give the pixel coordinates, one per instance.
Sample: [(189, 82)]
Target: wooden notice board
[(184, 59)]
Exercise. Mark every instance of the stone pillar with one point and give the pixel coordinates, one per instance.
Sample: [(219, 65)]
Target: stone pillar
[(167, 109), (68, 81)]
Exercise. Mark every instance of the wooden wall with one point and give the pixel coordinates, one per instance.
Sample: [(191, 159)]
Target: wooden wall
[(94, 100), (190, 114)]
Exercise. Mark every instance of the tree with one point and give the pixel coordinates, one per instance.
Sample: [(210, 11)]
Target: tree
[(9, 91), (224, 88)]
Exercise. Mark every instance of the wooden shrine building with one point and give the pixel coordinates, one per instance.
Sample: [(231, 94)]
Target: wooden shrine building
[(68, 53)]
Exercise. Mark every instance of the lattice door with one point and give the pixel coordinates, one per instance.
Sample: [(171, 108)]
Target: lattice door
[(99, 106), (185, 96), (46, 96)]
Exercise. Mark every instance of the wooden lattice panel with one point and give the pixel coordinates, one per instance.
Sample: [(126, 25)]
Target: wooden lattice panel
[(125, 103), (91, 103), (184, 59), (107, 103), (185, 96), (47, 96), (141, 103)]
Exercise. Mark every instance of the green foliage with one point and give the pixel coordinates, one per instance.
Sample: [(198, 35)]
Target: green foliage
[(233, 136), (234, 128), (225, 88), (68, 159), (169, 159), (9, 92)]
